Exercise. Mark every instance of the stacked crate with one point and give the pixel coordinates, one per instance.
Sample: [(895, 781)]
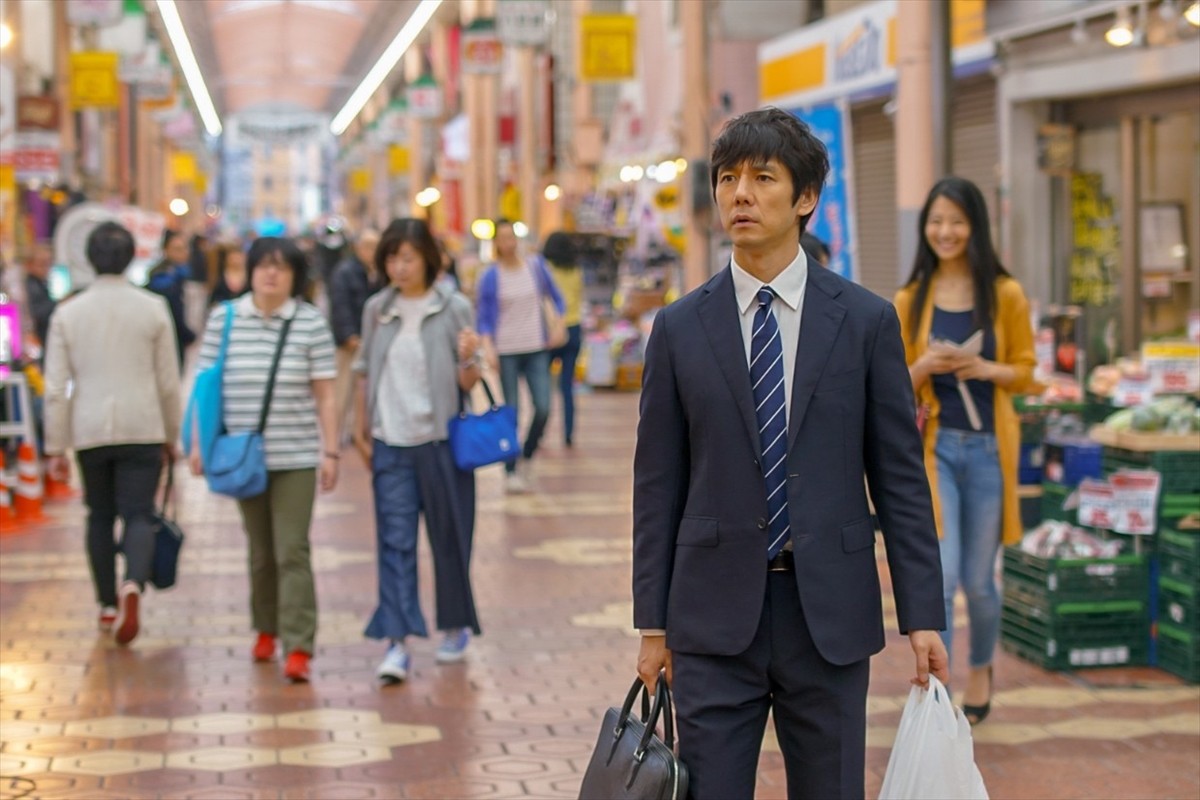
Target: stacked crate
[(1175, 594), (1075, 613), (1067, 461)]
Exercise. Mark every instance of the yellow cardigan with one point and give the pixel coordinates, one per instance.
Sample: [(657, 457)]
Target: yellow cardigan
[(1014, 347)]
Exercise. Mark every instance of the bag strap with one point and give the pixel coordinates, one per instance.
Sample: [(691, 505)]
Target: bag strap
[(492, 404), (168, 489), (262, 420), (225, 333)]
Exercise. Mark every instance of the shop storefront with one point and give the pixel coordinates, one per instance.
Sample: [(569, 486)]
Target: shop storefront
[(839, 75), (1099, 149)]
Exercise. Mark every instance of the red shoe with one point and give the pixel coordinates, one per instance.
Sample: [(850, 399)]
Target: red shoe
[(296, 667), (108, 618), (127, 622), (264, 648)]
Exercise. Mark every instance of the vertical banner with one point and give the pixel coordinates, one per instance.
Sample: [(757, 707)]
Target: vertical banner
[(832, 222)]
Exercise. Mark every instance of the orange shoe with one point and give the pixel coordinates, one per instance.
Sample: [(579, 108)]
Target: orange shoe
[(296, 667), (264, 648)]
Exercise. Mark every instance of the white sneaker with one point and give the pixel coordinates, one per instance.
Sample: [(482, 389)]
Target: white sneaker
[(395, 665), (525, 470), (514, 482)]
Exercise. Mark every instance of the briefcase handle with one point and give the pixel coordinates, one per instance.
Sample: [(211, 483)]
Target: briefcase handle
[(662, 707)]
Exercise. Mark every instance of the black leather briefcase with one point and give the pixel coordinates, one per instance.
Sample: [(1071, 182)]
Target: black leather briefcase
[(630, 762)]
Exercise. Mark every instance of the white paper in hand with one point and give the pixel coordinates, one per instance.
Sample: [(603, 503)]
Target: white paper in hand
[(973, 346), (933, 757)]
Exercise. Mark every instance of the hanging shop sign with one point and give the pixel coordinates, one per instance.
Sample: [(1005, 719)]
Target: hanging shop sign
[(183, 168), (607, 47), (1056, 149), (522, 22), (398, 159), (424, 98), (8, 114), (95, 12), (482, 50), (36, 156), (145, 67), (360, 180), (37, 113), (855, 53), (833, 222), (94, 81), (1094, 258)]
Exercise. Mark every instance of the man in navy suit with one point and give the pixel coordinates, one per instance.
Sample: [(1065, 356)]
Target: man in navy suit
[(767, 394)]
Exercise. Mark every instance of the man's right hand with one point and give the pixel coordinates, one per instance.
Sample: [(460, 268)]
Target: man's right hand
[(652, 657)]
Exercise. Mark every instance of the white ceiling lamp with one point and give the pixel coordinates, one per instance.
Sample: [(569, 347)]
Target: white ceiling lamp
[(1192, 14), (191, 69), (391, 56), (1121, 32)]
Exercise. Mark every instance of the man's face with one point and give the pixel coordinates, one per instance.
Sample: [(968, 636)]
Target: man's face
[(176, 251), (755, 201), (364, 248), (40, 261)]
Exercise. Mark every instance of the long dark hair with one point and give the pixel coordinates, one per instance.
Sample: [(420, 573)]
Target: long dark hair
[(981, 255)]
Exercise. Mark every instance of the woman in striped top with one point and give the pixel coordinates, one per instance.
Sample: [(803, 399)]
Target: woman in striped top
[(300, 439)]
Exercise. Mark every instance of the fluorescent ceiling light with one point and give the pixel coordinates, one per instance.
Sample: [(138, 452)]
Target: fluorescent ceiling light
[(191, 70), (391, 56)]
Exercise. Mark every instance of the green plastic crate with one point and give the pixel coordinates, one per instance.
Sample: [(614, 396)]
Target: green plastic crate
[(1179, 652), (1180, 470), (1179, 556), (1178, 604), (1053, 497), (1174, 507), (1107, 635), (1063, 580)]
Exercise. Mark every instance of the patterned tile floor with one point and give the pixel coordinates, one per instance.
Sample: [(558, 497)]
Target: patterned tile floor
[(184, 714)]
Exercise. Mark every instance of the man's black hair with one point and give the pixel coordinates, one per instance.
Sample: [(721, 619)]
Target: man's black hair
[(110, 248)]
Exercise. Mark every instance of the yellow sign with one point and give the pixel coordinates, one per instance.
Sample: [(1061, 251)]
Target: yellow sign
[(360, 180), (608, 45), (968, 22), (398, 159), (94, 82), (510, 203), (183, 168), (201, 184)]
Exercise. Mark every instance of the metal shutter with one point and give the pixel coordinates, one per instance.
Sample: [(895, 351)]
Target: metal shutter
[(875, 198), (976, 152)]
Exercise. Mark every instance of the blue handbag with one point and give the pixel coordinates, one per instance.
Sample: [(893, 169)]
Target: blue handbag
[(168, 538), (477, 440), (237, 465), (205, 409)]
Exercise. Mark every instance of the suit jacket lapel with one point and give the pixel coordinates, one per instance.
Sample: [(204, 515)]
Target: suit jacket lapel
[(819, 325), (719, 316)]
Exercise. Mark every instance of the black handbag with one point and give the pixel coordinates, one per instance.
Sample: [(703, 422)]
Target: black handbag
[(168, 537), (630, 762)]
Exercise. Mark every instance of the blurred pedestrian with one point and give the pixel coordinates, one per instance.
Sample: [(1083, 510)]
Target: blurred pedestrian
[(354, 280), (815, 249), (509, 300), (300, 440), (38, 301), (196, 286), (121, 416), (420, 356), (231, 279), (560, 254), (167, 279), (958, 288)]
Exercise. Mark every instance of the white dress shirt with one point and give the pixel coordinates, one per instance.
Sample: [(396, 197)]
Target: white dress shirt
[(789, 288)]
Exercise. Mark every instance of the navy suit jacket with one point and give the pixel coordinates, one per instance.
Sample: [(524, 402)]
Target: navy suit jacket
[(700, 505)]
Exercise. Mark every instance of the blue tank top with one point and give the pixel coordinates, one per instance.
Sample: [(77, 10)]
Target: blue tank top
[(957, 326)]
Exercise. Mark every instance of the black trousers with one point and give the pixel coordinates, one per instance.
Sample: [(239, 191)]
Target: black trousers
[(120, 480), (820, 709)]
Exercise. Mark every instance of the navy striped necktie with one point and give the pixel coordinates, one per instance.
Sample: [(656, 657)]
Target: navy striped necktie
[(770, 401)]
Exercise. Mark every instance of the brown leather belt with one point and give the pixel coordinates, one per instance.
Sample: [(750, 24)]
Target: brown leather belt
[(784, 562)]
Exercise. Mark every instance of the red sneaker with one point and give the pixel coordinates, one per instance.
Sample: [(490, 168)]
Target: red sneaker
[(264, 648), (296, 667), (108, 618), (127, 622)]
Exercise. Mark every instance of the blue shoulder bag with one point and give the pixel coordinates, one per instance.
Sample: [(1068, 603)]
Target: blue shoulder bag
[(477, 440), (237, 465), (205, 408)]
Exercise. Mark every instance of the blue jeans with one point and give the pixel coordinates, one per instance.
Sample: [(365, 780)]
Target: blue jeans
[(971, 490), (408, 482), (568, 354), (535, 368)]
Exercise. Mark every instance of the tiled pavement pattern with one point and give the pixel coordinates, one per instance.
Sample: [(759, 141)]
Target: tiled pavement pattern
[(183, 713)]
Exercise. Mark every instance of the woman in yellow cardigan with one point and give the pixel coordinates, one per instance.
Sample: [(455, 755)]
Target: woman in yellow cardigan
[(959, 289)]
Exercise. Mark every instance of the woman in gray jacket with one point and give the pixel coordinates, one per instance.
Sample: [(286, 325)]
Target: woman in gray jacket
[(419, 354)]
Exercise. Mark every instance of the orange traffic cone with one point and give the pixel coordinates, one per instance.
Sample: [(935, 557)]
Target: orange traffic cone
[(27, 499), (8, 514), (56, 488)]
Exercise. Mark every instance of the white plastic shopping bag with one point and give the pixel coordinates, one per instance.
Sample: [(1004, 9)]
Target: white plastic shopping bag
[(933, 757)]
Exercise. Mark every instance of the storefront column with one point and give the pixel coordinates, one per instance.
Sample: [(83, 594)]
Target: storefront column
[(69, 160), (916, 123), (1130, 278), (694, 139), (527, 137)]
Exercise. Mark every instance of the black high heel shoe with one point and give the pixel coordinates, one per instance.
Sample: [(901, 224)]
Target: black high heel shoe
[(977, 714)]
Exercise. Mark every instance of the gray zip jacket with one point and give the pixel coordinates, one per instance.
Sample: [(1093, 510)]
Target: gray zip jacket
[(447, 314)]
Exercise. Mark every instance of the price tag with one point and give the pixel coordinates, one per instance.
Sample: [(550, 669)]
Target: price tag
[(1174, 367), (1135, 501), (1133, 391), (1096, 507)]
